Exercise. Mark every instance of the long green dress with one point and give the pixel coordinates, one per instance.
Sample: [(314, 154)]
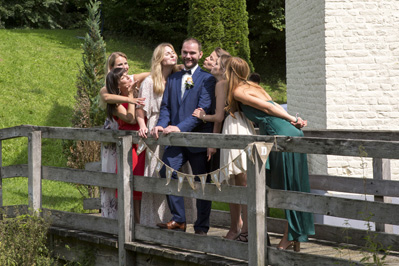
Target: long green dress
[(288, 170)]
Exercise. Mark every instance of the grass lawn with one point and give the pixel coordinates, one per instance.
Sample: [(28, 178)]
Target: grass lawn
[(37, 87)]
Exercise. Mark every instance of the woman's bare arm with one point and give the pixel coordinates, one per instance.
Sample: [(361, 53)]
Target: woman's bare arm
[(220, 104), (258, 100)]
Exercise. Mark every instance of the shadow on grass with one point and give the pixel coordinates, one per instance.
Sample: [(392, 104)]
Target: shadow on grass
[(52, 150)]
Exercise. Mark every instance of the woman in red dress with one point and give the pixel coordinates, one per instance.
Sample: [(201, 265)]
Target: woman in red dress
[(118, 82)]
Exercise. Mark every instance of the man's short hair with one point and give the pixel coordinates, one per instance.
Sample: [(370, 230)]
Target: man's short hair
[(191, 39)]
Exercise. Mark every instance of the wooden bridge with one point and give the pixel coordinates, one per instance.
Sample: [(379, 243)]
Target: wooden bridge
[(122, 242)]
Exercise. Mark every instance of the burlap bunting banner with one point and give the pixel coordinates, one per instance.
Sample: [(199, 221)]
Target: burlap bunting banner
[(263, 149), (215, 178), (190, 179), (180, 177), (169, 172), (203, 182), (141, 146), (218, 176)]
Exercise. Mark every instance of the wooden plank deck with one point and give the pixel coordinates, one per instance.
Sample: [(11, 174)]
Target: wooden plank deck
[(317, 247)]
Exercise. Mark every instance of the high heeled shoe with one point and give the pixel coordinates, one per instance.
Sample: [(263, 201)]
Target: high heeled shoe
[(296, 246)]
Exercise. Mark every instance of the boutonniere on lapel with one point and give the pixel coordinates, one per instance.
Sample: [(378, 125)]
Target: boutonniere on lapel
[(189, 83)]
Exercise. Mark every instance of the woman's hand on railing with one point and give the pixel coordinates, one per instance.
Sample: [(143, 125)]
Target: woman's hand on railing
[(300, 123), (143, 132), (155, 131)]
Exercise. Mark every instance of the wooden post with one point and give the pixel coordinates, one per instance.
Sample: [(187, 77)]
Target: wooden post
[(382, 171), (256, 189), (125, 199), (35, 170)]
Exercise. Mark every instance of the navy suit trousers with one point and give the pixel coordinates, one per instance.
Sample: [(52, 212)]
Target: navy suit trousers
[(175, 157)]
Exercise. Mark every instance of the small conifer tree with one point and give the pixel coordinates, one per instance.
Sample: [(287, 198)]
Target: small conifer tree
[(90, 80)]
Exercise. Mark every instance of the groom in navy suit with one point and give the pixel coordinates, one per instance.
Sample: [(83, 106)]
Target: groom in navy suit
[(185, 91)]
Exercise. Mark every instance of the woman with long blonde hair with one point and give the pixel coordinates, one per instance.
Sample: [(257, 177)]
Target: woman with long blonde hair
[(163, 63), (287, 170)]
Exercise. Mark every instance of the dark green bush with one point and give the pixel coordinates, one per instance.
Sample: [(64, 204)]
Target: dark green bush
[(220, 23), (205, 24), (40, 14), (153, 20), (23, 241), (267, 38)]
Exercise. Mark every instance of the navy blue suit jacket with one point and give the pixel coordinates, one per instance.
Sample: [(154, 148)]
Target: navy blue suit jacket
[(177, 111)]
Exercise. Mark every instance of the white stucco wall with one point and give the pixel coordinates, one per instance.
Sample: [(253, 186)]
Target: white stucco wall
[(354, 67)]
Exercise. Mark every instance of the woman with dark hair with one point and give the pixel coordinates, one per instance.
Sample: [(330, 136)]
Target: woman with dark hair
[(119, 83), (109, 204), (287, 170)]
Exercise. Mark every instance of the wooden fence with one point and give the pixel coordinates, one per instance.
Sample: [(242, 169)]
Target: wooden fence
[(378, 145)]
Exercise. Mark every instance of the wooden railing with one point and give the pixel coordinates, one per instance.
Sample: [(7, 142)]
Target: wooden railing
[(378, 145)]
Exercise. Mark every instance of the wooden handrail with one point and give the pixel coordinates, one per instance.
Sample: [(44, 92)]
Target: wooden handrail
[(255, 195)]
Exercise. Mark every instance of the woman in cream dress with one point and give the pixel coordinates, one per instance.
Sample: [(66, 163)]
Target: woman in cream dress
[(163, 63), (234, 123)]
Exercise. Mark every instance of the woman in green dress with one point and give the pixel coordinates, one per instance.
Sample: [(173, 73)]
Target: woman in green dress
[(286, 170)]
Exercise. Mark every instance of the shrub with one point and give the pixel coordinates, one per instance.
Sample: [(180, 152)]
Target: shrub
[(40, 14), (154, 20), (221, 23), (23, 241), (90, 80), (267, 38)]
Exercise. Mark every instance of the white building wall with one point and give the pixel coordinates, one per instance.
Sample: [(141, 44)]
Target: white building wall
[(343, 71), (306, 84)]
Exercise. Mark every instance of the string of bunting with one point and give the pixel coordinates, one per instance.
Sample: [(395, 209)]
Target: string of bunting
[(218, 176)]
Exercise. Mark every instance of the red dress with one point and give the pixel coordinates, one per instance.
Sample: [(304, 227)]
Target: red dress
[(138, 163)]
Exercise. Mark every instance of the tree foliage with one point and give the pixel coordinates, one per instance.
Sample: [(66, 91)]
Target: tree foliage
[(89, 82), (267, 38), (218, 23), (23, 241), (205, 24), (154, 20), (40, 14)]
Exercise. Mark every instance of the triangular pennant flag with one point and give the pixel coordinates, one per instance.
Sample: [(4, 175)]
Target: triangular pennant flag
[(249, 152), (158, 166), (215, 178), (181, 177), (150, 153), (141, 146), (203, 182), (225, 175), (263, 150), (190, 179), (169, 172), (238, 162)]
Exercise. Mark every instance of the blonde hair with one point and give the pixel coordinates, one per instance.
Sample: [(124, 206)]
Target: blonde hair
[(220, 51), (156, 67), (112, 58), (237, 72), (223, 61)]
